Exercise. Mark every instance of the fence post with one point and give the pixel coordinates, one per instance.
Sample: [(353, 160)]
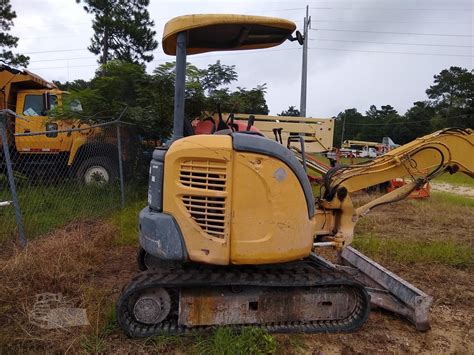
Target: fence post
[(11, 180), (119, 148)]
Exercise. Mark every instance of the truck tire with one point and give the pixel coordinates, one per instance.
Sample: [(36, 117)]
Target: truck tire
[(97, 170)]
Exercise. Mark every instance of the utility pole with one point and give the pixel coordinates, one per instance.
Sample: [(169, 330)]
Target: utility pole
[(304, 71), (343, 129)]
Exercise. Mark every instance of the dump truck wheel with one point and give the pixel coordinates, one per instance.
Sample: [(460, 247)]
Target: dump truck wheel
[(97, 171)]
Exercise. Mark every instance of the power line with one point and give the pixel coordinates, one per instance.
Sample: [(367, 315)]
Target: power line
[(401, 122), (272, 50), (40, 37), (156, 19), (386, 9), (393, 33), (198, 56), (64, 67), (65, 50), (171, 58), (395, 43), (388, 21), (57, 51), (385, 123), (54, 60), (278, 10), (390, 52)]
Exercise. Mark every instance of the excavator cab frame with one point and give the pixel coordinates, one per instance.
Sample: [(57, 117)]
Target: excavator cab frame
[(194, 34)]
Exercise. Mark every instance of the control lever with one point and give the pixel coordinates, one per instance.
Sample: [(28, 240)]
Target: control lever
[(230, 123), (277, 133), (250, 122), (300, 138), (221, 124)]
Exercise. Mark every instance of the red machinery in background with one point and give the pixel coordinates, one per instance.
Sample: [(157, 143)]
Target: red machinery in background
[(421, 193)]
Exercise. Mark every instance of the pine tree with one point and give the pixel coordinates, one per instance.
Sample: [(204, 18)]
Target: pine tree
[(122, 30), (8, 41)]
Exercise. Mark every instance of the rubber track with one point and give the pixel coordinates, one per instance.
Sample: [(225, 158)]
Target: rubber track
[(306, 274)]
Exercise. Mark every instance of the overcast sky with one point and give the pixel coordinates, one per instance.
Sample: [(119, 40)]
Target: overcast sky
[(345, 67)]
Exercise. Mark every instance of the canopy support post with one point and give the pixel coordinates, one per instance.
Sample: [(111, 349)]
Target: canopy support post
[(180, 86)]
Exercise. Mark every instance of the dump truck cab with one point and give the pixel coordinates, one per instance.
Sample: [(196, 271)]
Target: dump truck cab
[(39, 143), (31, 105)]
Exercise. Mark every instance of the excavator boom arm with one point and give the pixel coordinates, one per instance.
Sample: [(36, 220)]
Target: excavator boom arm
[(450, 150)]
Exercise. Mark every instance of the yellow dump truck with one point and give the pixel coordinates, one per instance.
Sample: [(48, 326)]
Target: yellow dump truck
[(87, 155)]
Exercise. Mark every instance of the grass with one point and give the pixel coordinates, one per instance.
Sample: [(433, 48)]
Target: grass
[(48, 207), (456, 179), (221, 341), (438, 252), (429, 233), (293, 344), (228, 341), (167, 343), (126, 221), (448, 198), (93, 344), (63, 263)]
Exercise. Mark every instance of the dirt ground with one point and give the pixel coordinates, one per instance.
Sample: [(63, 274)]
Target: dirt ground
[(452, 318), (84, 263), (454, 189)]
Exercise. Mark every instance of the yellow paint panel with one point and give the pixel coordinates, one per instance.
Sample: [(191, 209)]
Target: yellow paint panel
[(417, 159), (254, 203), (269, 215), (197, 193), (318, 133), (219, 32)]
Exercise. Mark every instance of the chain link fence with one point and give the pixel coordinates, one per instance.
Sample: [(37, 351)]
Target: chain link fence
[(52, 178)]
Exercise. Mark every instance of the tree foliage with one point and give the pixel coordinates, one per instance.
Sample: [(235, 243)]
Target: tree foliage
[(292, 111), (122, 30), (452, 88), (150, 98), (450, 104), (7, 41)]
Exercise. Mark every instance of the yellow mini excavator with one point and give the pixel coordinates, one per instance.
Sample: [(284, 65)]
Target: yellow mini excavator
[(233, 222)]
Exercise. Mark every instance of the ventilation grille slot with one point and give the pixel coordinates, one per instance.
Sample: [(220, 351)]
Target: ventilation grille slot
[(208, 212), (205, 175)]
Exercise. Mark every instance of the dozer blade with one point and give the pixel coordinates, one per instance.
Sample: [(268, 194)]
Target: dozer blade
[(387, 290)]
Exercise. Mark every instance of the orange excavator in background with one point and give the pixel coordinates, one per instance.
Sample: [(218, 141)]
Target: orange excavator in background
[(232, 232)]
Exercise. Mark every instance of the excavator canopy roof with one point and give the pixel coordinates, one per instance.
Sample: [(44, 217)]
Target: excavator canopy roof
[(221, 32)]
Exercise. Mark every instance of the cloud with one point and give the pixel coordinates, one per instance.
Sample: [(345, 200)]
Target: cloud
[(343, 75)]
